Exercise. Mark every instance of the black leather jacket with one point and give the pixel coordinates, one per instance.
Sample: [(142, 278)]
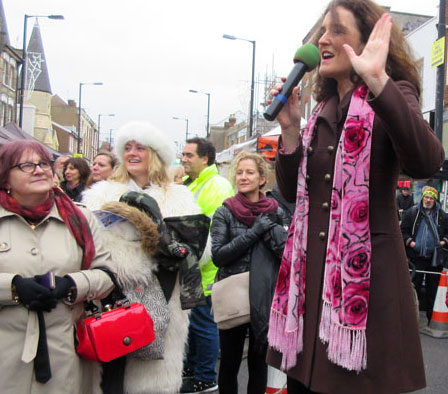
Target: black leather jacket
[(232, 241), (237, 248)]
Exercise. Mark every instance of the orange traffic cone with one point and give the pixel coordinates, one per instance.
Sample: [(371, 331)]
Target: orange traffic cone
[(276, 381), (438, 326)]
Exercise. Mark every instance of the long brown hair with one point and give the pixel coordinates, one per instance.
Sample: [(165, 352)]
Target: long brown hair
[(400, 61), (81, 165)]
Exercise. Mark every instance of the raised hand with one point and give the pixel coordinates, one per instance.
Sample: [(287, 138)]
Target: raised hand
[(370, 65)]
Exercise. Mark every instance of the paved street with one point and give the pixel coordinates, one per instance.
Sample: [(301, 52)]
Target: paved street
[(435, 353)]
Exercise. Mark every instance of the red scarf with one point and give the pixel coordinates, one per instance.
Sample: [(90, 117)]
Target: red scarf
[(246, 210), (70, 214)]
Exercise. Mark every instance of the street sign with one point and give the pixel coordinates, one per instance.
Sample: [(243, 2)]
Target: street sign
[(438, 52)]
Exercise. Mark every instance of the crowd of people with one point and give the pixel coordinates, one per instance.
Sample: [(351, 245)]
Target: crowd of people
[(331, 300)]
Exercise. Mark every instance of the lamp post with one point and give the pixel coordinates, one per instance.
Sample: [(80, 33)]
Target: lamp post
[(24, 59), (208, 110), (99, 123), (186, 120), (440, 77), (110, 139), (78, 150), (252, 87)]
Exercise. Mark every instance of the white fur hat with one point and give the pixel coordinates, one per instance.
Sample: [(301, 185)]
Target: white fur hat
[(146, 134)]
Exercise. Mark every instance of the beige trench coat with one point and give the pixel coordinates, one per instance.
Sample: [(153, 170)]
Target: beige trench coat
[(27, 252)]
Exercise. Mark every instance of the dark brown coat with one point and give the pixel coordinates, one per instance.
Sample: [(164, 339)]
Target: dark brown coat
[(401, 139)]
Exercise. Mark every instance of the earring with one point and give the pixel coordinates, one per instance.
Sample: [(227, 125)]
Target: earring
[(8, 191)]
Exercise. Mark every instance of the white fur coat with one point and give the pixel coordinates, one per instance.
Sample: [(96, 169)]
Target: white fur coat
[(133, 267)]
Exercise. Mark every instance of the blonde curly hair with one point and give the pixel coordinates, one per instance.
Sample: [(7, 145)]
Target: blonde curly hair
[(260, 162)]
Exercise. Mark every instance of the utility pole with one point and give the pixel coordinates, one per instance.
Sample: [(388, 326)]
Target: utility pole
[(440, 77)]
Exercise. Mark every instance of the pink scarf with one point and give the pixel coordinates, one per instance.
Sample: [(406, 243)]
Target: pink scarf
[(347, 268)]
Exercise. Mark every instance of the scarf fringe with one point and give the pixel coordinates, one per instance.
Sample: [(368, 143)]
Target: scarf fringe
[(347, 347), (325, 322), (288, 343)]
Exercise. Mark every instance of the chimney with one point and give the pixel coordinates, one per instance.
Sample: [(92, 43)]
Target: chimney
[(72, 103)]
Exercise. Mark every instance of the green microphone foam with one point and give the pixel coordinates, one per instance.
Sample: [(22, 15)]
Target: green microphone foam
[(308, 54)]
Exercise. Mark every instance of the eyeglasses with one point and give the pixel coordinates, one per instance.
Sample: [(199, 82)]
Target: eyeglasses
[(31, 167)]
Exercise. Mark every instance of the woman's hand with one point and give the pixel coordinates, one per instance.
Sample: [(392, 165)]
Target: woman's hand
[(261, 225), (370, 65), (33, 295), (289, 117)]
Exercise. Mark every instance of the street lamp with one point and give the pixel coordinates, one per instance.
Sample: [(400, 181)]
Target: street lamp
[(99, 123), (208, 110), (78, 150), (186, 120), (24, 59), (252, 87)]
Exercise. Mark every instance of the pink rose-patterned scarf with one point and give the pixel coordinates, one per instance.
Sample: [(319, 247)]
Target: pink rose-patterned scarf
[(345, 294)]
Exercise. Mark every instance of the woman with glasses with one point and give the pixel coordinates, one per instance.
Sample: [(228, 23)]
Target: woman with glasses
[(76, 172), (48, 251)]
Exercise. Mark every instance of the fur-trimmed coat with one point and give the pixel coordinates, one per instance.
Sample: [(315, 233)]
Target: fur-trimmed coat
[(134, 268)]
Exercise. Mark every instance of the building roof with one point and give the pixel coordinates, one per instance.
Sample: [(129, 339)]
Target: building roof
[(36, 67), (12, 132), (4, 35)]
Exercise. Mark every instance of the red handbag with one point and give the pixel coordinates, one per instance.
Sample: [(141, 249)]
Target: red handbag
[(108, 335)]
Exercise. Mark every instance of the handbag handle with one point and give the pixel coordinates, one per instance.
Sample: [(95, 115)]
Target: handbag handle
[(116, 296)]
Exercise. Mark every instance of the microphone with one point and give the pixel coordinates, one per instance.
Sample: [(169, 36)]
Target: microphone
[(306, 59)]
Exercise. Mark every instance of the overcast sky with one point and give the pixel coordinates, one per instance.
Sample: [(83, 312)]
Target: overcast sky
[(149, 53)]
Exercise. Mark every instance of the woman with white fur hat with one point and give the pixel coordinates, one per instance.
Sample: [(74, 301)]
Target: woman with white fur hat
[(145, 157)]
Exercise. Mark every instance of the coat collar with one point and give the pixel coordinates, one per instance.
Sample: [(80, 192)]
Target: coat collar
[(335, 111), (54, 213), (204, 176)]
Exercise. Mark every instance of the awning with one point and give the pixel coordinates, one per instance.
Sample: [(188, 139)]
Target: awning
[(12, 132)]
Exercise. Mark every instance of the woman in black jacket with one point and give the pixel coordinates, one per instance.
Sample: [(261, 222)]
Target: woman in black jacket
[(248, 234), (76, 172)]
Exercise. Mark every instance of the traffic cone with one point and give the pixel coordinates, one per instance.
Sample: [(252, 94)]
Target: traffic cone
[(276, 381), (438, 326)]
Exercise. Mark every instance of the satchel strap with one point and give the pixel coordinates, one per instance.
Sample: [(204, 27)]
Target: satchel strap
[(116, 296)]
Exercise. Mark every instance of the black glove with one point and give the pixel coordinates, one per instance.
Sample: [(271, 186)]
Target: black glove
[(33, 295), (274, 217), (63, 286), (261, 225)]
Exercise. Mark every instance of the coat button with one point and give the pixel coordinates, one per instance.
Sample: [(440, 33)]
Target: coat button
[(327, 177), (35, 251), (310, 150), (330, 149), (3, 246), (325, 206), (322, 235)]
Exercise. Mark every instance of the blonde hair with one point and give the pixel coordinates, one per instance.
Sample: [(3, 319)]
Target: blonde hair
[(157, 171), (260, 163)]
